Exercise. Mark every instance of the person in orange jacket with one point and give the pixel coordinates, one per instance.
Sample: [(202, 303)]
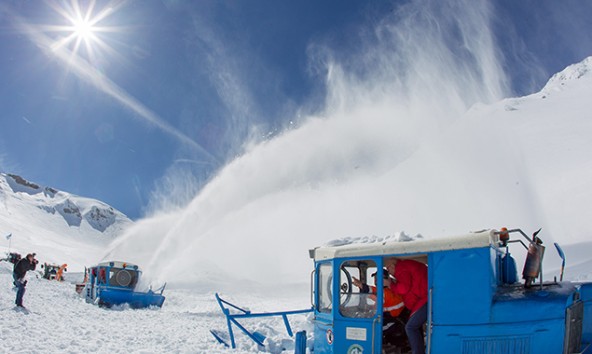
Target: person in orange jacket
[(411, 283), (393, 310), (60, 273)]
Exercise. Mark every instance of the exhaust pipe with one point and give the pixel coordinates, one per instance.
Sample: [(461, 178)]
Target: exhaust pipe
[(534, 261)]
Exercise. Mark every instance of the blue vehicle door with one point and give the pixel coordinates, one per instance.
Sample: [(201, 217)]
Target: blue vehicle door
[(358, 318)]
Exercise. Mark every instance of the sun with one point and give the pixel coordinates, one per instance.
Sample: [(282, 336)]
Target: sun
[(82, 34), (83, 30)]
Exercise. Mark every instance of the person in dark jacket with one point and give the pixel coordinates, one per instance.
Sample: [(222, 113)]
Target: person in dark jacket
[(20, 270)]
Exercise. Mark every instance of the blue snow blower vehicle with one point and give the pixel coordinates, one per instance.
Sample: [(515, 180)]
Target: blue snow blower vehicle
[(475, 301), (114, 283)]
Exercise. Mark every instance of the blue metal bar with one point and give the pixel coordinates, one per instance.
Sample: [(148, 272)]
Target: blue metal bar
[(269, 314), (300, 347), (246, 332), (219, 338), (233, 344), (221, 301), (287, 325)]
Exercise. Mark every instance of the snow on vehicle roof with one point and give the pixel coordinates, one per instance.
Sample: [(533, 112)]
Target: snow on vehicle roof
[(402, 246)]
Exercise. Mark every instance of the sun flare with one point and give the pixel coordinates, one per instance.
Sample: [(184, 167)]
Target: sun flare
[(83, 29), (83, 35)]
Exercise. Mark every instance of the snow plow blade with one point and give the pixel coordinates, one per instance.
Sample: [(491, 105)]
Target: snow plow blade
[(135, 300)]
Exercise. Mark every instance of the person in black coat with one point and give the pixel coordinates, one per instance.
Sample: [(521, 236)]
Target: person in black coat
[(20, 270)]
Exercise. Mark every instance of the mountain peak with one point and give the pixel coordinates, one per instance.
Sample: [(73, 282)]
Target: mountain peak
[(571, 73), (74, 210)]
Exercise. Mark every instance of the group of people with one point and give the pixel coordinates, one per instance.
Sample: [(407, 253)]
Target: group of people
[(18, 274), (405, 299)]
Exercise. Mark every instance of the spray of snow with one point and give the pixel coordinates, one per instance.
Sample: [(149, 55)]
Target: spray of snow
[(403, 144)]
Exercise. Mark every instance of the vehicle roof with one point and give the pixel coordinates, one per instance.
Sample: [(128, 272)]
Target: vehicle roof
[(117, 264), (478, 239)]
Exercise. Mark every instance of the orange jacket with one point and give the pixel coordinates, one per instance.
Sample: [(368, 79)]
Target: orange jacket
[(393, 303), (60, 273)]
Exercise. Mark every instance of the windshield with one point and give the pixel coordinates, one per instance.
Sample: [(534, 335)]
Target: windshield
[(357, 302)]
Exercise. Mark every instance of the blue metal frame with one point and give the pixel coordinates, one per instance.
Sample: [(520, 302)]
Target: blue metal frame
[(231, 318)]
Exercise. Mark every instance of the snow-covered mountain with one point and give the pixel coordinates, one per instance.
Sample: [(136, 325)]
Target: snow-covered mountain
[(58, 226)]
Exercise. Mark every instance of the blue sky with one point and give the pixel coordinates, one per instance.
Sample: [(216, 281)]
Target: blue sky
[(170, 91)]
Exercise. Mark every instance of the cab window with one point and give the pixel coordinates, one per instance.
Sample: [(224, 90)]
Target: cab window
[(325, 277), (353, 301)]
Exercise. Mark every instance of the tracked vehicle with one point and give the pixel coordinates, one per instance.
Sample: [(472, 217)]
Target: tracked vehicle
[(476, 302), (114, 283)]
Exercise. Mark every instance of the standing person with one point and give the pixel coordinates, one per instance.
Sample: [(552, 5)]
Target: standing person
[(60, 273), (20, 270), (412, 284)]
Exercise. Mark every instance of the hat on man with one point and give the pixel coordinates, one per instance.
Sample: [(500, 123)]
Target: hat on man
[(385, 273)]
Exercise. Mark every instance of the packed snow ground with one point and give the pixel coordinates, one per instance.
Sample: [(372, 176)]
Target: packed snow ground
[(60, 321)]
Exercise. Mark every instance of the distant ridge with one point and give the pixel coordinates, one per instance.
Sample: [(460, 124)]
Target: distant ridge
[(59, 226), (73, 209)]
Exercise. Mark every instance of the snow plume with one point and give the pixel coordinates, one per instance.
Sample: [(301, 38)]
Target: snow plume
[(441, 52), (395, 149)]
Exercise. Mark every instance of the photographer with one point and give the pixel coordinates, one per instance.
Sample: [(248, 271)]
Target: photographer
[(20, 270)]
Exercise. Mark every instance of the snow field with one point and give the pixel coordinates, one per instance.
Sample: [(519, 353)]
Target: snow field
[(60, 321)]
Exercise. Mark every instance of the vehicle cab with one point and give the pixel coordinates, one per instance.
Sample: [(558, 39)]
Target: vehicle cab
[(475, 302)]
